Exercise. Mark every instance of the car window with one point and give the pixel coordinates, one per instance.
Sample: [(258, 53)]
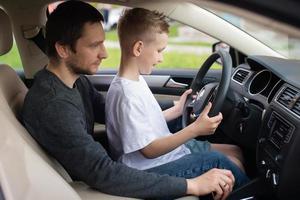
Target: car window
[(12, 58), (279, 41), (187, 48)]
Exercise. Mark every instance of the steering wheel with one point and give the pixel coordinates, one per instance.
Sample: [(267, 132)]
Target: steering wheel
[(213, 92)]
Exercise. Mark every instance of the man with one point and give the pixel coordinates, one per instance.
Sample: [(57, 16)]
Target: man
[(61, 107)]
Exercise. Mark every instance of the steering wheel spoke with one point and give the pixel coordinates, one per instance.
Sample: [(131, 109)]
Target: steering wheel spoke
[(191, 104)]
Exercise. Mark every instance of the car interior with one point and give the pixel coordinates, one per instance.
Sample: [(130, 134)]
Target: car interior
[(260, 105)]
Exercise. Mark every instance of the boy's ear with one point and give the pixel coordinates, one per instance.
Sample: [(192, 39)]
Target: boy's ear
[(138, 48), (62, 50)]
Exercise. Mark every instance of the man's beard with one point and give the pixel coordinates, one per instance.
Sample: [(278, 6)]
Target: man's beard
[(76, 69)]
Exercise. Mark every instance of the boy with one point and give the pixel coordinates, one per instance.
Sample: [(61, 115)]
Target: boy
[(136, 126)]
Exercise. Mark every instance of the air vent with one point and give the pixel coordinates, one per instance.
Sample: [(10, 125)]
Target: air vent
[(286, 97), (296, 107), (240, 75), (290, 98)]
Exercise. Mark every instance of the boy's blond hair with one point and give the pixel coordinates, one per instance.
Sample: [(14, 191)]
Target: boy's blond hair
[(139, 24)]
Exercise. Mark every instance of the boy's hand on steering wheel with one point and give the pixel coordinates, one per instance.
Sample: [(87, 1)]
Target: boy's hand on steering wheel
[(179, 105)]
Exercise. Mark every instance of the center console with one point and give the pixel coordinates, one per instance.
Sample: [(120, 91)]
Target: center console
[(272, 146), (281, 131), (277, 149), (278, 160)]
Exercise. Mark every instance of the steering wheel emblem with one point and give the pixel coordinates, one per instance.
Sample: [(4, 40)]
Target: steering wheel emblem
[(200, 94)]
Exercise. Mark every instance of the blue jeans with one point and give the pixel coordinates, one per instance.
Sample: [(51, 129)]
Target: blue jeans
[(195, 164), (197, 146)]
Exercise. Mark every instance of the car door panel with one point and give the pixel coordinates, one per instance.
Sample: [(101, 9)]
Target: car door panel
[(158, 81), (166, 85)]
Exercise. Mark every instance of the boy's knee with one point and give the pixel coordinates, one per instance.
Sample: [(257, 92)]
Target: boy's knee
[(219, 157), (216, 157)]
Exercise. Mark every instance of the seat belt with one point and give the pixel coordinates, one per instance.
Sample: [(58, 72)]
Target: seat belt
[(36, 34)]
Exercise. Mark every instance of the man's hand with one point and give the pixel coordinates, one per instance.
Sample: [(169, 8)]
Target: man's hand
[(218, 182), (205, 125)]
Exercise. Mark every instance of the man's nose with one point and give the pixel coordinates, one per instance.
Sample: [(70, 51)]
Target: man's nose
[(102, 53)]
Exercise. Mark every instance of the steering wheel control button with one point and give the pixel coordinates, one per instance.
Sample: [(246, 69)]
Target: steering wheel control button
[(278, 158), (262, 140), (241, 127), (274, 179), (268, 174)]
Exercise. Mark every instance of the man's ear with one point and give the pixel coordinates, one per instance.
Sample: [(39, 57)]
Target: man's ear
[(138, 48), (62, 50)]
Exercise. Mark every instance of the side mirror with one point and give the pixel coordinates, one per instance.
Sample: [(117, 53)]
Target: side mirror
[(220, 46)]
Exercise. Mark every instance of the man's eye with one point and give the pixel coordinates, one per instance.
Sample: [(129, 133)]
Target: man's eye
[(160, 50), (94, 45)]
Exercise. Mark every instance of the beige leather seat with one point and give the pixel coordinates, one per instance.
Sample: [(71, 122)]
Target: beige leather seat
[(26, 170)]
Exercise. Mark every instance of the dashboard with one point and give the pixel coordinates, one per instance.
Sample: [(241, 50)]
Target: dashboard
[(273, 85)]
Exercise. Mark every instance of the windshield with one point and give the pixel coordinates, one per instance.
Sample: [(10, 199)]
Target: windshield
[(281, 42)]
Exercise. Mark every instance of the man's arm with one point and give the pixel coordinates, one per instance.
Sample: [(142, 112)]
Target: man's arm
[(65, 137)]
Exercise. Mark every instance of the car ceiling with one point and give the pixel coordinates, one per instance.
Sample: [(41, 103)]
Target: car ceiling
[(289, 13), (268, 13), (286, 11), (284, 18)]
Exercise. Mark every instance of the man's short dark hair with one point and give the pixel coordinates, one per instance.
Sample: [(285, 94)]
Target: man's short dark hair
[(65, 24)]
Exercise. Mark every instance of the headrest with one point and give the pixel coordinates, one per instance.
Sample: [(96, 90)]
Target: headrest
[(6, 39)]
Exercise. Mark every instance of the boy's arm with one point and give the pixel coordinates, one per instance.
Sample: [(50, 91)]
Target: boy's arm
[(166, 144), (172, 113), (176, 110), (204, 125)]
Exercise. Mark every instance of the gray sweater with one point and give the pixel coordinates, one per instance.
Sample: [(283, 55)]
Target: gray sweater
[(61, 119)]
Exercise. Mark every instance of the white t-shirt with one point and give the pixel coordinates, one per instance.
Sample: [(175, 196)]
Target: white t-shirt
[(133, 120)]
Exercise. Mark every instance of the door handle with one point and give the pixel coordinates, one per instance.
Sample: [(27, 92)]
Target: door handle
[(173, 84)]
